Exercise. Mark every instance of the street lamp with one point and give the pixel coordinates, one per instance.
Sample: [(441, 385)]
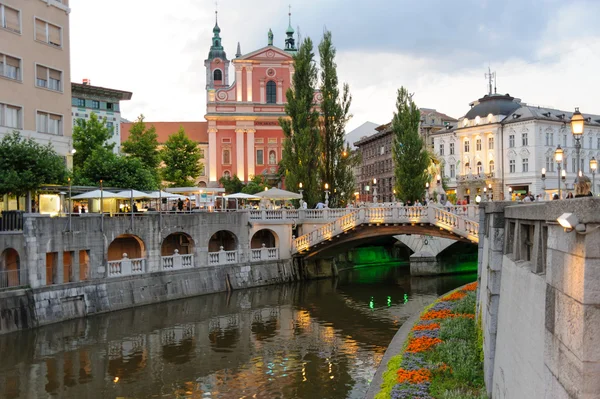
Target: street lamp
[(300, 190), (485, 193), (394, 195), (439, 179), (593, 167), (490, 191), (558, 157), (374, 191), (427, 191), (577, 125), (326, 195), (70, 205)]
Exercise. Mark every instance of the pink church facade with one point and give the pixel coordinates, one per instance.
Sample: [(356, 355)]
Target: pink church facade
[(244, 136)]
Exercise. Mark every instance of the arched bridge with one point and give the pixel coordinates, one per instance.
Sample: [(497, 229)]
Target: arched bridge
[(373, 222)]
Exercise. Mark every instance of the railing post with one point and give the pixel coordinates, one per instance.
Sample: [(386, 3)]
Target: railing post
[(222, 258), (176, 259), (125, 265), (264, 253)]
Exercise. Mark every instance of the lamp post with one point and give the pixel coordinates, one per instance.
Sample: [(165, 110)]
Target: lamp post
[(367, 189), (427, 191), (394, 196), (510, 193), (300, 190), (70, 206), (374, 191), (577, 125), (485, 194), (326, 195), (593, 167), (558, 157), (490, 191)]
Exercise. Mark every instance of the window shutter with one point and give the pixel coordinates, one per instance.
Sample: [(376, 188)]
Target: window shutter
[(14, 62), (40, 30), (54, 35), (55, 117), (54, 74), (41, 72), (11, 18)]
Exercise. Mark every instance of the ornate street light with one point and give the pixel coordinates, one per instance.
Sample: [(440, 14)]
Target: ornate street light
[(300, 190), (427, 191), (490, 191), (485, 194), (544, 182), (593, 168), (558, 157), (374, 191), (577, 125), (326, 195)]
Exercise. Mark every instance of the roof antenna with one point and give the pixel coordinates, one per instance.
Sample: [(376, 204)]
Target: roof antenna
[(216, 11), (489, 76)]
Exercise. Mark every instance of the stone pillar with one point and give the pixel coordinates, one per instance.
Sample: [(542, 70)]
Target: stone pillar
[(248, 83), (279, 91), (212, 154), (292, 71), (238, 83), (239, 153), (263, 99), (250, 153)]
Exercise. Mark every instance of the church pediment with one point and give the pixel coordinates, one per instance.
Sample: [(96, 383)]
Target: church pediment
[(269, 53)]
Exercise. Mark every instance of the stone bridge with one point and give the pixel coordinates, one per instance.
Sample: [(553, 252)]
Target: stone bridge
[(457, 223)]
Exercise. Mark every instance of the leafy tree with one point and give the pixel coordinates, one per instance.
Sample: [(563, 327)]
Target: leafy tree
[(410, 156), (256, 185), (90, 135), (115, 171), (337, 160), (142, 143), (181, 157), (231, 184), (300, 159), (26, 165)]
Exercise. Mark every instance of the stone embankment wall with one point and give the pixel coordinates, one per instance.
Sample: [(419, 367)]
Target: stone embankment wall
[(27, 308), (539, 300)]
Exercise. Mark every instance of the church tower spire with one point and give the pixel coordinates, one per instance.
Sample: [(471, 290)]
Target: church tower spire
[(290, 42), (217, 64)]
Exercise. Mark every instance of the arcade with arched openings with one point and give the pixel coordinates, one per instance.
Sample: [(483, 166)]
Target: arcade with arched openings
[(222, 239), (177, 251), (10, 268), (265, 236), (126, 255)]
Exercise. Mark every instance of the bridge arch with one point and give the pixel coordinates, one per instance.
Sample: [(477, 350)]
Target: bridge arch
[(264, 236), (129, 244), (10, 267), (223, 238), (179, 241)]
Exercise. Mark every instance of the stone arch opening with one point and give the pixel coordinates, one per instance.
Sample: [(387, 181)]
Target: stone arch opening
[(264, 236), (10, 267), (128, 244), (222, 238), (181, 242)]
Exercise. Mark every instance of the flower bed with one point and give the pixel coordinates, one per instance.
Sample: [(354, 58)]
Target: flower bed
[(442, 357)]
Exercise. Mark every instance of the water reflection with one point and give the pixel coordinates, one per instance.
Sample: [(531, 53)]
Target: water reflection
[(320, 339)]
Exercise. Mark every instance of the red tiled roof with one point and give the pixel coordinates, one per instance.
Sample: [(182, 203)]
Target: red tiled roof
[(196, 131)]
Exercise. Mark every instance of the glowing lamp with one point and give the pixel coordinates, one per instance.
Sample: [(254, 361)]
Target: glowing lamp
[(577, 123)]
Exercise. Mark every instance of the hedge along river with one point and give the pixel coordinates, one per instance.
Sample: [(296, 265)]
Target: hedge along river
[(314, 339)]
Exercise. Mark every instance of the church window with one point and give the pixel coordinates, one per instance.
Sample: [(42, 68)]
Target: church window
[(271, 92), (260, 158), (226, 157), (217, 75)]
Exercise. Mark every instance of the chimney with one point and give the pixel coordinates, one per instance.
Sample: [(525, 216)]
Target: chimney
[(86, 82)]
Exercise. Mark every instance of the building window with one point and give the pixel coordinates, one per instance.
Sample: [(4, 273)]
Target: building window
[(478, 144), (10, 116), (10, 67), (574, 165), (95, 104), (271, 92), (109, 106), (549, 164), (479, 168), (452, 148), (452, 171), (217, 75), (511, 165), (467, 145), (598, 143), (10, 18), (49, 123), (80, 102), (565, 141), (260, 157), (511, 141), (48, 78), (382, 150), (525, 164), (48, 33), (467, 168), (524, 139), (111, 127), (490, 143), (491, 166), (590, 141), (441, 148), (201, 153), (272, 157), (226, 157)]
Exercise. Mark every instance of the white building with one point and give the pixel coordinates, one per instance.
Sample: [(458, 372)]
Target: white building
[(505, 143)]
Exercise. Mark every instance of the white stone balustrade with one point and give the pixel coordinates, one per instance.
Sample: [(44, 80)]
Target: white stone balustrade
[(126, 267), (177, 261), (223, 257), (264, 254)]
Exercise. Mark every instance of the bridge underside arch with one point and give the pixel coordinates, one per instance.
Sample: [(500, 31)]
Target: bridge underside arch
[(365, 233)]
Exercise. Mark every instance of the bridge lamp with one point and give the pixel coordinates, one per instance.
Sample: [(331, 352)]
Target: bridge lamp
[(558, 157), (593, 167), (577, 125), (300, 186), (570, 222), (478, 199), (563, 175)]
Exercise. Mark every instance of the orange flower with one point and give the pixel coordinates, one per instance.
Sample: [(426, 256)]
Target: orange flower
[(422, 344), (432, 326), (455, 296), (437, 314), (413, 376), (470, 287)]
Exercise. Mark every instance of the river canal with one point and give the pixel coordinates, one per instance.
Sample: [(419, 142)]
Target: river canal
[(315, 340)]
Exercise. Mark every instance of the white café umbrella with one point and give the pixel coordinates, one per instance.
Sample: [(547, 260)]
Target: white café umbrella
[(278, 194), (97, 194), (136, 194), (243, 196), (164, 194)]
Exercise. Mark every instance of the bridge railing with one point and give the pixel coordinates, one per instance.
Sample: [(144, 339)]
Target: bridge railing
[(126, 267), (177, 261)]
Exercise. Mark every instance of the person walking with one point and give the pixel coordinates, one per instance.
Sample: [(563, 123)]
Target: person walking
[(180, 205)]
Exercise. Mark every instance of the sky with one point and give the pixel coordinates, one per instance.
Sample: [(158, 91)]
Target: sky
[(545, 52)]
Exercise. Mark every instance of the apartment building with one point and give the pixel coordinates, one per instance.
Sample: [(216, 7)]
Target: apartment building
[(35, 89), (103, 102)]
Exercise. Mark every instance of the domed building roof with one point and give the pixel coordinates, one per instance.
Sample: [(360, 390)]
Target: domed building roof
[(495, 104)]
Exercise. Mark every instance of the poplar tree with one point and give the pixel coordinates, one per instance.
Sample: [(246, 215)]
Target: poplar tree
[(300, 160), (410, 155), (337, 159)]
